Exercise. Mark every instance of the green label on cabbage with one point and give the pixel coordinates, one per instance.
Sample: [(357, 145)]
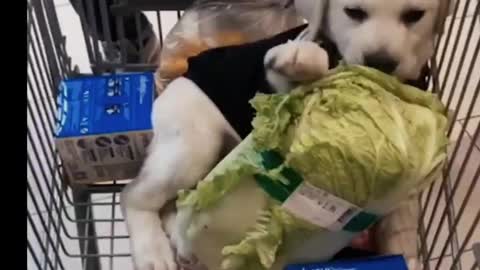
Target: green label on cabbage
[(308, 202)]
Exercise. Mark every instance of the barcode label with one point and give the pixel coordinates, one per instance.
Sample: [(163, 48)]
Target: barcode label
[(320, 207), (347, 216)]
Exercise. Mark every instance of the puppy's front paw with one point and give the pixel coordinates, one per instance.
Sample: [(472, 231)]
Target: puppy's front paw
[(154, 254), (296, 61)]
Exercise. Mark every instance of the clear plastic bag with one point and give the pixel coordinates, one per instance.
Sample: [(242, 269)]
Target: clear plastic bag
[(211, 24)]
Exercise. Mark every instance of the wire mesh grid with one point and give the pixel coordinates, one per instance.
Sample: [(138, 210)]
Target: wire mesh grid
[(450, 213), (81, 227), (114, 31)]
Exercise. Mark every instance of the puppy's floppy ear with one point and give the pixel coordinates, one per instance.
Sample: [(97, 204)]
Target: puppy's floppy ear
[(314, 12), (445, 8)]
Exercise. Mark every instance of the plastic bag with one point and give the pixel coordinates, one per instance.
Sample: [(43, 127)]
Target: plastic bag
[(211, 24)]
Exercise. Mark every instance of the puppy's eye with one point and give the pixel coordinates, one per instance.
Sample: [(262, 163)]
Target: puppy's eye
[(356, 14), (412, 16)]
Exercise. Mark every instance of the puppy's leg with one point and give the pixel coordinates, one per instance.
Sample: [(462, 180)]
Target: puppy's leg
[(190, 135), (295, 62), (141, 201), (397, 233)]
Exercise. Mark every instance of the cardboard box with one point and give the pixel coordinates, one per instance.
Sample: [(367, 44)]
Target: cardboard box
[(374, 263), (104, 126)]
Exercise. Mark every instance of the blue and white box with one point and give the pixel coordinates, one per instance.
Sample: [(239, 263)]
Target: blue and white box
[(104, 126), (394, 262)]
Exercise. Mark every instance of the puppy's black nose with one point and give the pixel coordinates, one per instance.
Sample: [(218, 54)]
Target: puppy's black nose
[(381, 61)]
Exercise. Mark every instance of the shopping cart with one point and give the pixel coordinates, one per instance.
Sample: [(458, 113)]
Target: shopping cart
[(80, 226)]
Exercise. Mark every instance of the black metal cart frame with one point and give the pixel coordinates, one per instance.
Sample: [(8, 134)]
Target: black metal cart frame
[(55, 205)]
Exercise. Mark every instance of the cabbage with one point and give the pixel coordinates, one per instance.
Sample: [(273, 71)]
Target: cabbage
[(359, 135)]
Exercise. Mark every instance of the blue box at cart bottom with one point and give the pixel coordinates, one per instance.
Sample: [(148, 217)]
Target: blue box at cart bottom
[(104, 126), (373, 263)]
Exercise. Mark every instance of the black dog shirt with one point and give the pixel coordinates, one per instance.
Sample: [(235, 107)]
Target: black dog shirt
[(230, 77)]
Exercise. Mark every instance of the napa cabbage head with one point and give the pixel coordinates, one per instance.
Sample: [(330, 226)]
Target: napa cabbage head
[(358, 134)]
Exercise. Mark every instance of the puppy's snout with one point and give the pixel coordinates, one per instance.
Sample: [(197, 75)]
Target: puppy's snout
[(382, 61)]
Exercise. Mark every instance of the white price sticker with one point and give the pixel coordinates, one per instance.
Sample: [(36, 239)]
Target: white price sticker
[(320, 207)]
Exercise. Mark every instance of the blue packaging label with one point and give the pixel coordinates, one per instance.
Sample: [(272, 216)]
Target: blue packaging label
[(105, 104), (375, 263)]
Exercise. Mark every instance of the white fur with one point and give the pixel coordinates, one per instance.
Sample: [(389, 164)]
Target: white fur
[(411, 45), (295, 60), (191, 135)]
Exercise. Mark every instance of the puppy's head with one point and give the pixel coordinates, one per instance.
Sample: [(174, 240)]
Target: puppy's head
[(395, 36)]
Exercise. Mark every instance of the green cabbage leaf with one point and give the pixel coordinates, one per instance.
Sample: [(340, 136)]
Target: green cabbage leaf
[(357, 134)]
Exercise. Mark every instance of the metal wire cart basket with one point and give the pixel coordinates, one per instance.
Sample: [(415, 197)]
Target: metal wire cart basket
[(81, 227)]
